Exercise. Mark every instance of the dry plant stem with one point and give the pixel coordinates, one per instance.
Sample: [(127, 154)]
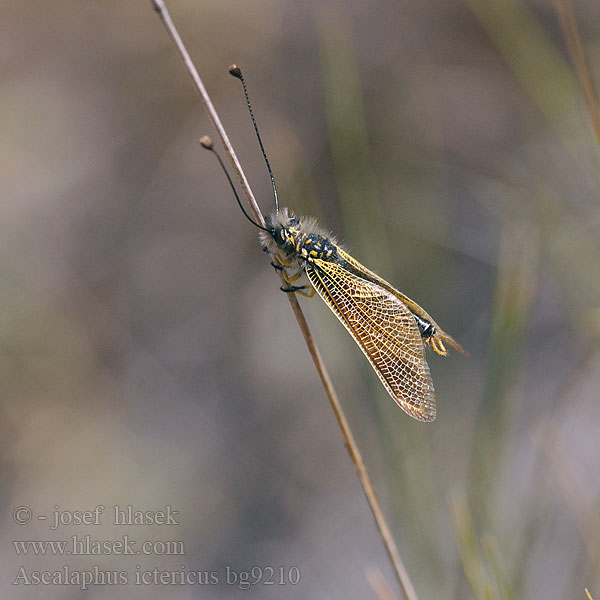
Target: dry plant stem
[(379, 584), (163, 13), (566, 17), (351, 445)]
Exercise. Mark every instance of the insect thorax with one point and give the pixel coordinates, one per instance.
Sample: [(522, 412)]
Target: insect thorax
[(315, 245), (298, 240)]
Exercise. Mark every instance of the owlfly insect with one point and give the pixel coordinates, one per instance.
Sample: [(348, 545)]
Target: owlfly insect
[(391, 329)]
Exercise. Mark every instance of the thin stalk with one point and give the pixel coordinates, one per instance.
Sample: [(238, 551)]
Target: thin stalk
[(355, 455), (568, 23), (161, 8)]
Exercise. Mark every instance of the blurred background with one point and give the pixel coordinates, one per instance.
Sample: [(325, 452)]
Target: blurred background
[(149, 359)]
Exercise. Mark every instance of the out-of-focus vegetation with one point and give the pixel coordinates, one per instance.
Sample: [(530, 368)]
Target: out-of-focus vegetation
[(149, 359)]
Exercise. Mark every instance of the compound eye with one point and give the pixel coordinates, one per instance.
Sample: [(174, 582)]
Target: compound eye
[(283, 234)]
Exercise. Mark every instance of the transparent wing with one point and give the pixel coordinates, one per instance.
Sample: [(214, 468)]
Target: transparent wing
[(385, 330)]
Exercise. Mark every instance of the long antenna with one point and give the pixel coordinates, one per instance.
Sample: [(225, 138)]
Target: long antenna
[(237, 72), (206, 143)]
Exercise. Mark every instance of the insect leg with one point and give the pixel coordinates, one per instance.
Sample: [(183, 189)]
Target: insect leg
[(282, 262), (293, 278), (286, 277), (303, 290), (438, 345)]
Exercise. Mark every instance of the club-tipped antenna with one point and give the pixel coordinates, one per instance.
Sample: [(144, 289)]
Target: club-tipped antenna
[(206, 142), (237, 72)]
